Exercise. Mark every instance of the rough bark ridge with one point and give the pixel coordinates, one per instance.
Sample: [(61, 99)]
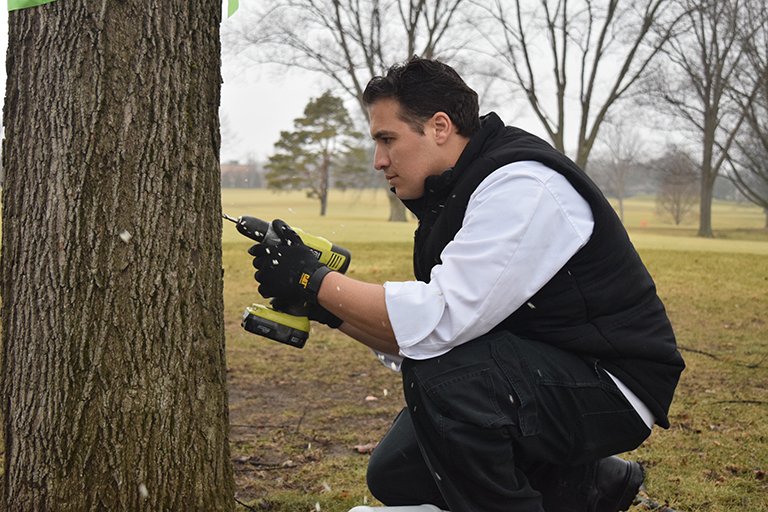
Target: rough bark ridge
[(113, 369)]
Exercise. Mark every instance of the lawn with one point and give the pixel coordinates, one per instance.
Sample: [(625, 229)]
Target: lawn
[(300, 418)]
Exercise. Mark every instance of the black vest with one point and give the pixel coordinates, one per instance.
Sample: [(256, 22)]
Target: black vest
[(602, 304)]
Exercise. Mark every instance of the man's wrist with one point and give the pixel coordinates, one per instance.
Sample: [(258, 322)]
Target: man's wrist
[(318, 313), (315, 281)]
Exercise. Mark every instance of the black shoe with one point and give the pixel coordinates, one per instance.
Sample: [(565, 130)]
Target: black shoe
[(606, 485), (615, 485)]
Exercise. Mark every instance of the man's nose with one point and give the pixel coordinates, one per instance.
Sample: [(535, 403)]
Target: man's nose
[(380, 159)]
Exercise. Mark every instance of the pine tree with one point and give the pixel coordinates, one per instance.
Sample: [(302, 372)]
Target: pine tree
[(318, 151)]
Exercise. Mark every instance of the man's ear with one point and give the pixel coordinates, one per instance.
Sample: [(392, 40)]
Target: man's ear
[(443, 126)]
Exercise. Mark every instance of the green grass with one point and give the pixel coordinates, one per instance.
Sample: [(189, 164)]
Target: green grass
[(353, 216), (716, 453), (713, 458), (641, 212)]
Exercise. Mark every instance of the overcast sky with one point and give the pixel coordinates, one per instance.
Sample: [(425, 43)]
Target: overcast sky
[(254, 109)]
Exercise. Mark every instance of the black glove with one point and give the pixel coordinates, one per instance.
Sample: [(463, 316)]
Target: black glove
[(314, 311), (289, 269), (318, 313)]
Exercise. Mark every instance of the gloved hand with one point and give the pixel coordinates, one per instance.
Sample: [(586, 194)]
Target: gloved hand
[(314, 311), (289, 269)]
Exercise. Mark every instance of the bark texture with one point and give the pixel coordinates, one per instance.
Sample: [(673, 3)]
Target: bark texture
[(113, 367)]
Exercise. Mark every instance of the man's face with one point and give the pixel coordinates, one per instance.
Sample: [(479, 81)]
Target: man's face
[(406, 156)]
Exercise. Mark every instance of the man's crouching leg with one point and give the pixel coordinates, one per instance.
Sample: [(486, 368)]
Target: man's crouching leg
[(490, 411), (466, 420), (397, 474)]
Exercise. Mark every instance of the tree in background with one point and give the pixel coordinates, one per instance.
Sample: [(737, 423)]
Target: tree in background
[(623, 151), (113, 368), (749, 165), (678, 180), (749, 159), (581, 56), (350, 41), (324, 140), (709, 83)]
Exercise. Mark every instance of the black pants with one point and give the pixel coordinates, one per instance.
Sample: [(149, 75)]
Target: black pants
[(488, 422)]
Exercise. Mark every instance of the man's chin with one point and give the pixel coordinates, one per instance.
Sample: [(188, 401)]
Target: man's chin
[(402, 195)]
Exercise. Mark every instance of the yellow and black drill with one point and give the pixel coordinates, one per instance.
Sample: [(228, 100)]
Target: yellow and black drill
[(289, 325)]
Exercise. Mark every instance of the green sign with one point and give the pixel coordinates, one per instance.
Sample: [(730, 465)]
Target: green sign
[(14, 5), (232, 7)]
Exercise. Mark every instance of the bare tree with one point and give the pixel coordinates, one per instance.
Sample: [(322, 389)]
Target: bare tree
[(113, 368), (624, 149), (350, 41), (749, 159), (749, 163), (677, 177), (709, 85), (230, 138), (582, 56)]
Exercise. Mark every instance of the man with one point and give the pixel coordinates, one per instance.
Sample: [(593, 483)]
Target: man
[(532, 345)]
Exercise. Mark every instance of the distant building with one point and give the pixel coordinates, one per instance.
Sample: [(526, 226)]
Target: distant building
[(237, 175)]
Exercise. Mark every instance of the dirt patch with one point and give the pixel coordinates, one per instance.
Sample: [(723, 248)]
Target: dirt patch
[(293, 412)]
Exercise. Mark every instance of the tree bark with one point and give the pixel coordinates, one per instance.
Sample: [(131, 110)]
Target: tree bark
[(113, 369)]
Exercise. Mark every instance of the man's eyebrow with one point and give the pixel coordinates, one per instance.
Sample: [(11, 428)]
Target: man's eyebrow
[(382, 134)]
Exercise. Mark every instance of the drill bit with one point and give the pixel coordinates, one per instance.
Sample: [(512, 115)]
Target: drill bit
[(229, 218)]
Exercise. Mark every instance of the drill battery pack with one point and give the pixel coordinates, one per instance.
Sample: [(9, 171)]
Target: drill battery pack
[(276, 325)]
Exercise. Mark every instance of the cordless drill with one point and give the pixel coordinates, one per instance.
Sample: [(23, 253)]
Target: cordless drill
[(289, 325)]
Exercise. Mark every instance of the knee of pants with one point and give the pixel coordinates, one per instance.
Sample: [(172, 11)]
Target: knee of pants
[(379, 467)]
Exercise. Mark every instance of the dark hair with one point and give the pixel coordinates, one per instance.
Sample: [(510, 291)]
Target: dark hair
[(423, 87)]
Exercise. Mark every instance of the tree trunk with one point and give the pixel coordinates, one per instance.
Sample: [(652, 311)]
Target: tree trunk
[(582, 156), (621, 208), (396, 207), (113, 369), (705, 207), (324, 183)]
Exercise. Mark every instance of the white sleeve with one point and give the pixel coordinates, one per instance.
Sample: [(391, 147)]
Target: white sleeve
[(522, 224), (390, 361)]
